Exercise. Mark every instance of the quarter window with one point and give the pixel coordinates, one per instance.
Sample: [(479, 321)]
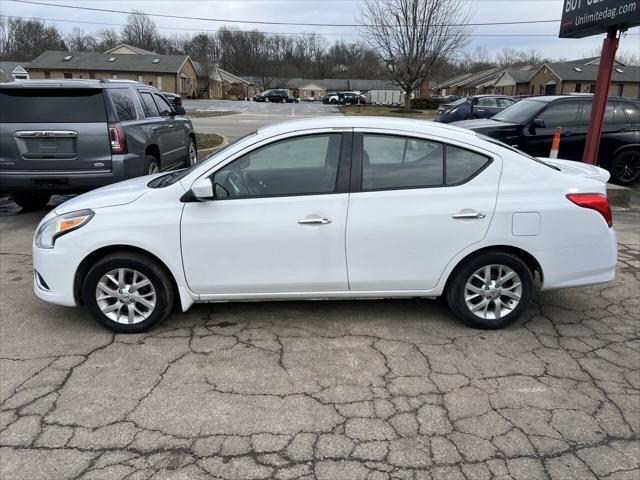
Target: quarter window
[(123, 103), (299, 166), (463, 164)]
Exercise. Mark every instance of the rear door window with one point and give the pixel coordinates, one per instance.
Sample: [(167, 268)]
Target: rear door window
[(123, 103), (163, 106), (148, 105), (633, 113), (60, 105)]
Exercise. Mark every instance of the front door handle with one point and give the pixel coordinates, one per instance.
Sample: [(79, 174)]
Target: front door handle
[(468, 215), (314, 221)]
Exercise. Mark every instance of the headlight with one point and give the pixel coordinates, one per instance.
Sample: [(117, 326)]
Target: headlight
[(49, 231)]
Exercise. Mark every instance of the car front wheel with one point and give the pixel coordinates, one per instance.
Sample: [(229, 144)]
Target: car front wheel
[(128, 292), (192, 155), (491, 290)]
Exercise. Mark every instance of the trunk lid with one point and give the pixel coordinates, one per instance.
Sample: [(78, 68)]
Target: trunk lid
[(578, 168), (53, 129)]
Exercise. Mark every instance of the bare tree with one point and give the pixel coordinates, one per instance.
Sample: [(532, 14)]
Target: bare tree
[(26, 39), (204, 49), (414, 36), (79, 41), (106, 39), (140, 31)]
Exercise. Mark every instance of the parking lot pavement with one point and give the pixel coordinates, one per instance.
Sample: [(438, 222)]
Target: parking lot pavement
[(321, 390), (251, 115)]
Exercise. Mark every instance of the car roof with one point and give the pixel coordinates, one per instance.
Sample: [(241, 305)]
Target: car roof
[(583, 98), (73, 83), (342, 122)]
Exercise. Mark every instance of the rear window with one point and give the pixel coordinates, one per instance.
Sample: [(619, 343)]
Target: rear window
[(52, 106)]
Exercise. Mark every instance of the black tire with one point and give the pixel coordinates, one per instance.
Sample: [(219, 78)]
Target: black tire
[(158, 276), (457, 286), (31, 201), (192, 143), (151, 165), (625, 167)]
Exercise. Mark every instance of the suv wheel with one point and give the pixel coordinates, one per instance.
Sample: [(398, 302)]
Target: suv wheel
[(625, 168), (31, 201), (192, 153), (128, 292), (151, 165), (491, 290)]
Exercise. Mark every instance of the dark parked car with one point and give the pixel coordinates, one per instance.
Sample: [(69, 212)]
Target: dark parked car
[(67, 136), (479, 106), (175, 100), (350, 98), (529, 125), (274, 96)]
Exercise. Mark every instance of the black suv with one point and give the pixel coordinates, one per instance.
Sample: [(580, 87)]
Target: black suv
[(529, 125), (273, 96), (68, 136)]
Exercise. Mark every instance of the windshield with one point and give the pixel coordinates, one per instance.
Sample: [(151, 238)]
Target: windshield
[(520, 112), (173, 177)]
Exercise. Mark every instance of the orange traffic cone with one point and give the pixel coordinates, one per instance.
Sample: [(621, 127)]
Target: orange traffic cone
[(555, 145)]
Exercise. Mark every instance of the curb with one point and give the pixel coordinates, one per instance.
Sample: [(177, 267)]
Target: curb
[(225, 142), (618, 196)]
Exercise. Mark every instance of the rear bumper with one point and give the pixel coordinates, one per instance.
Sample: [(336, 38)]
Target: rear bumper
[(123, 167)]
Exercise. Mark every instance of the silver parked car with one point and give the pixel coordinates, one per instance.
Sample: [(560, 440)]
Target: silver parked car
[(67, 136)]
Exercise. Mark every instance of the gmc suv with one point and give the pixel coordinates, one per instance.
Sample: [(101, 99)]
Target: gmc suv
[(68, 136)]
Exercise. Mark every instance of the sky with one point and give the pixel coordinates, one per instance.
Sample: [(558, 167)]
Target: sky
[(327, 11)]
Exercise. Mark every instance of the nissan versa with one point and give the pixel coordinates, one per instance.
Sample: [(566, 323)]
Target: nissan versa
[(333, 208)]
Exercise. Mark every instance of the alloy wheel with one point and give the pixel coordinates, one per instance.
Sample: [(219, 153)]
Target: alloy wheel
[(153, 168), (192, 153), (628, 167), (493, 291), (126, 296)]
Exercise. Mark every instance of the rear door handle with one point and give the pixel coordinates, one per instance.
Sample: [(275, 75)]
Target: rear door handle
[(314, 221), (469, 215)]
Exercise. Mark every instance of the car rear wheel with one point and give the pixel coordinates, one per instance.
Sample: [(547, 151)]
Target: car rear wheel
[(151, 165), (625, 168), (128, 292), (491, 290), (31, 201)]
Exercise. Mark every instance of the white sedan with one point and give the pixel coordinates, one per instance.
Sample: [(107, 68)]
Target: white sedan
[(333, 208)]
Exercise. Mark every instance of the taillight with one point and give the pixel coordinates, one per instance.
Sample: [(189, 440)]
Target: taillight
[(116, 139), (594, 201)]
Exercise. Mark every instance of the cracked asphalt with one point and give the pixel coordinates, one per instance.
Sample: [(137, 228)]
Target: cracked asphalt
[(321, 390)]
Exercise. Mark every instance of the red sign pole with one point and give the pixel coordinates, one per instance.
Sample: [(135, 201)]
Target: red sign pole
[(607, 60)]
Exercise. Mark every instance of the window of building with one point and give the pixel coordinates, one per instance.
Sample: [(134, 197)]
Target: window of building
[(592, 88), (620, 89), (159, 82), (299, 166), (47, 74), (92, 75), (578, 88), (183, 84), (67, 75), (114, 76), (140, 79)]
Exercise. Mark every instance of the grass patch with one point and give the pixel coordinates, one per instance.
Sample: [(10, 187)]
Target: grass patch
[(208, 140), (208, 113), (383, 111)]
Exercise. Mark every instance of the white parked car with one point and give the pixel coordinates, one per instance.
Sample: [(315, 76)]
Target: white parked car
[(332, 208)]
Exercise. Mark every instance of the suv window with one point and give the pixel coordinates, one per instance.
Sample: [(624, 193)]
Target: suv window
[(298, 166), (60, 105), (505, 102), (560, 115), (401, 162), (487, 102), (633, 113), (163, 106), (148, 105), (613, 114), (122, 100)]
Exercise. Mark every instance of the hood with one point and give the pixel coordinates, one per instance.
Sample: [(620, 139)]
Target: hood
[(485, 123), (578, 168), (109, 196)]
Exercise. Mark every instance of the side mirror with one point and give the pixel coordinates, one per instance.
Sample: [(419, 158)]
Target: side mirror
[(202, 189), (538, 123), (179, 110)]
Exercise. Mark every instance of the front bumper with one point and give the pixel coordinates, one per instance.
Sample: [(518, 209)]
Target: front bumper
[(54, 272)]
